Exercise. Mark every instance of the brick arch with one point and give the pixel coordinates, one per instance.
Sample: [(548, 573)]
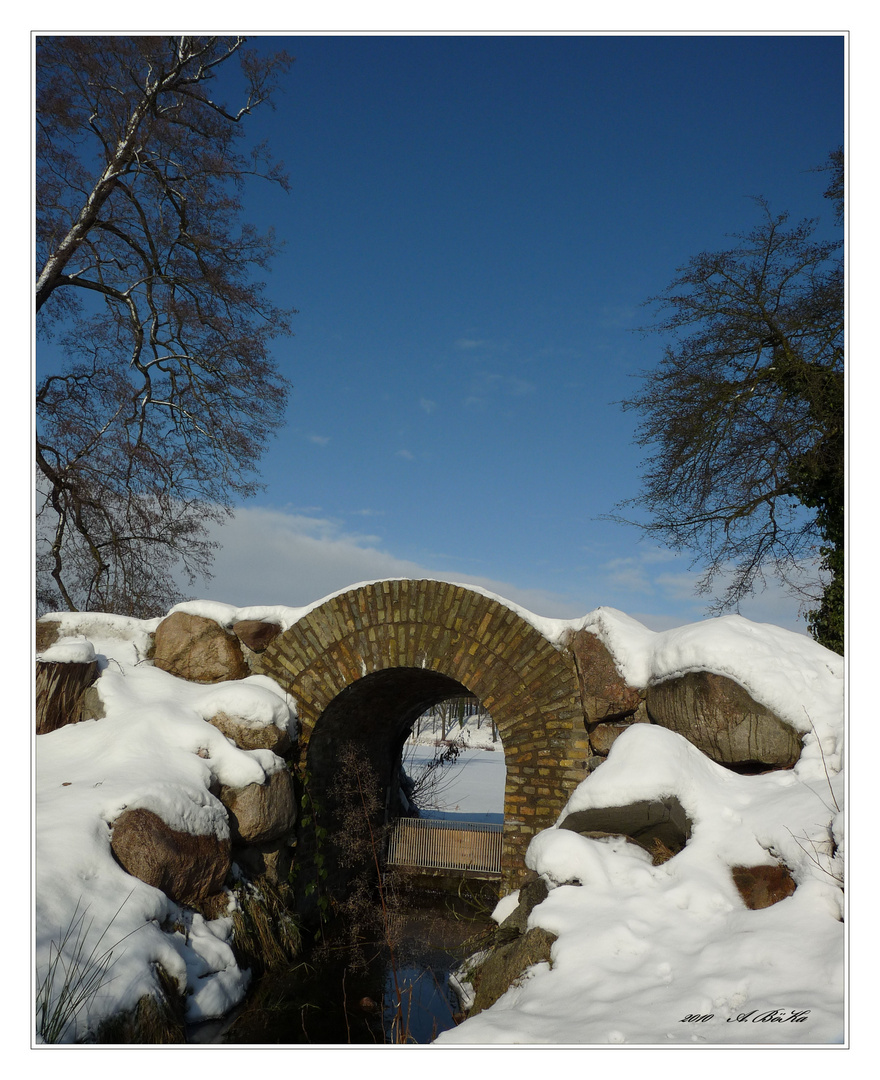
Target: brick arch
[(448, 632)]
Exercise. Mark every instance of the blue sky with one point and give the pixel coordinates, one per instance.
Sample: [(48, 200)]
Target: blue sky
[(473, 225)]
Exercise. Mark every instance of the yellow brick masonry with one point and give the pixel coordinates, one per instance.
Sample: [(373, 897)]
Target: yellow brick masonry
[(529, 686)]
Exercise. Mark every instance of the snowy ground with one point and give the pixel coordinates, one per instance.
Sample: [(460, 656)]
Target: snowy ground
[(471, 788), (640, 947)]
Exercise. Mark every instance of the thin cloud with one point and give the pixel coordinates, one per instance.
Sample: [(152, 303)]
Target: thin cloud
[(488, 386), (628, 574), (319, 440), (268, 556)]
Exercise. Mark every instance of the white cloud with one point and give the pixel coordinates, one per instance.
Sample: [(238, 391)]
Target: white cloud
[(427, 405), (319, 440), (270, 556), (274, 557)]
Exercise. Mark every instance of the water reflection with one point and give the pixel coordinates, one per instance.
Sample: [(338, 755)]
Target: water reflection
[(402, 995), (427, 1004)]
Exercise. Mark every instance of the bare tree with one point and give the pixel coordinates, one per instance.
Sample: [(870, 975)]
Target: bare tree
[(744, 416), (156, 390)]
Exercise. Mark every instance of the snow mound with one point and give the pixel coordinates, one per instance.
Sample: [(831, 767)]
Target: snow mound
[(641, 947)]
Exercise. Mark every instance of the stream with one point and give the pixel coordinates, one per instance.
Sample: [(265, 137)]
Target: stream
[(372, 995)]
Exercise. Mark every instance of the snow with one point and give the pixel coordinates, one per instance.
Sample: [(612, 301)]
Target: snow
[(471, 788), (639, 947), (154, 750), (72, 650)]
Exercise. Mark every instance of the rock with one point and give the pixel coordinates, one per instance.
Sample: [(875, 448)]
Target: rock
[(763, 886), (604, 693), (531, 893), (250, 736), (198, 649), (505, 965), (602, 735), (721, 718), (515, 948), (92, 704), (261, 812), (48, 630), (270, 862), (657, 825), (257, 635), (60, 693), (186, 867)]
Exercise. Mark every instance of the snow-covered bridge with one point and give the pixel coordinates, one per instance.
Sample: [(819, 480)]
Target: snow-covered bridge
[(365, 664)]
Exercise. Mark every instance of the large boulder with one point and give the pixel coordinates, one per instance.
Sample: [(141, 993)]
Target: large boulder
[(604, 692), (660, 826), (249, 736), (198, 649), (186, 867), (515, 948), (506, 965), (261, 812), (722, 719)]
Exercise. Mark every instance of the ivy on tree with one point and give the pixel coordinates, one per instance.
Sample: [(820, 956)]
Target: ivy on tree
[(744, 416), (156, 390)]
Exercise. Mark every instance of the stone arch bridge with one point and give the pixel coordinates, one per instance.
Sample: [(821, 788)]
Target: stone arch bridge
[(365, 664)]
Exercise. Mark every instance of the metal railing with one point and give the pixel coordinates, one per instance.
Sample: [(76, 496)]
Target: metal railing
[(430, 844)]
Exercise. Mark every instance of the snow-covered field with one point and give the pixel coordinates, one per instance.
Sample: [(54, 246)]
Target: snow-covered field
[(471, 788), (640, 948)]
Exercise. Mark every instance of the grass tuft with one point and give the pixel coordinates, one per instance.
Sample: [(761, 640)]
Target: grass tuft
[(265, 933), (73, 977)]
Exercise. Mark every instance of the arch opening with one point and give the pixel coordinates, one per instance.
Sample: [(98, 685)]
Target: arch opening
[(354, 762)]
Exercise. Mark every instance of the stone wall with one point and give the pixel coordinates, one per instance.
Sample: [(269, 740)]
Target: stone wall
[(363, 665)]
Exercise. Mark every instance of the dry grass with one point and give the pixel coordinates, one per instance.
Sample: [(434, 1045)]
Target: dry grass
[(155, 1021), (265, 934), (660, 853)]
